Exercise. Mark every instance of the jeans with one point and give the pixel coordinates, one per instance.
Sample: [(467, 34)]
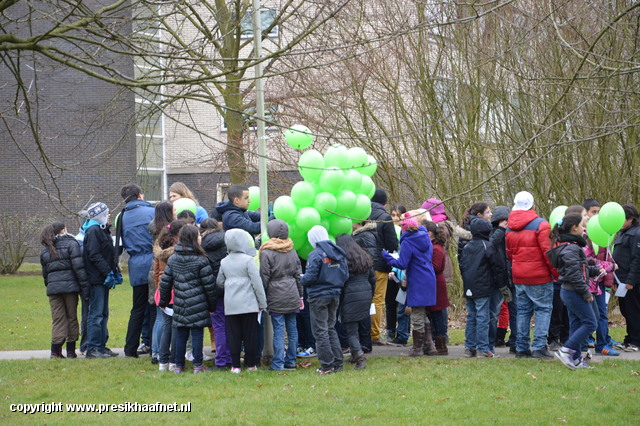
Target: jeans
[(342, 334), (559, 326), (352, 337), (602, 329), (97, 318), (280, 359), (439, 320), (223, 355), (157, 332), (260, 341), (476, 334), (404, 321), (532, 299), (83, 324), (581, 319), (167, 341), (495, 302), (305, 334), (182, 334), (513, 318), (136, 318), (323, 320), (584, 347)]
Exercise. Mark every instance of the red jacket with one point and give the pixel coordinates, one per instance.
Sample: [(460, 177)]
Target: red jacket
[(527, 245), (439, 263)]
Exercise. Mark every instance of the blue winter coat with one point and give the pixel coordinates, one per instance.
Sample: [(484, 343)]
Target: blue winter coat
[(326, 272), (201, 214), (137, 240), (233, 217), (416, 254)]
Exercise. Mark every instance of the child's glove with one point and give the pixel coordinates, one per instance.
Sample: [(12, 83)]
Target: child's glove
[(301, 304), (110, 281), (117, 276), (506, 293)]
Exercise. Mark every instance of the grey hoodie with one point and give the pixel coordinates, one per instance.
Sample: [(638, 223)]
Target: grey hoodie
[(239, 275)]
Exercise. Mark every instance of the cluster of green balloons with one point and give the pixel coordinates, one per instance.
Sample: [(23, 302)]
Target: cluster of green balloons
[(601, 228), (337, 182)]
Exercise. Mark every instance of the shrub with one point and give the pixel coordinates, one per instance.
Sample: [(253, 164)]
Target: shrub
[(16, 233)]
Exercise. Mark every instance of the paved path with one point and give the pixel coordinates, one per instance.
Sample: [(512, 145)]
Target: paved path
[(389, 351)]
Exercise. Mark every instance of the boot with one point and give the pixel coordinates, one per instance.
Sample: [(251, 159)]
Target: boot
[(441, 345), (500, 335), (361, 362), (71, 350), (56, 351), (418, 338), (428, 347)]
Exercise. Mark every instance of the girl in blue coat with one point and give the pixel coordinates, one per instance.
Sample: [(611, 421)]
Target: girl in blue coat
[(415, 258)]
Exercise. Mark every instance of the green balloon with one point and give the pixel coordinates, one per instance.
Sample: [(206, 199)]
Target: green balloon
[(336, 156), (307, 218), (612, 217), (324, 222), (325, 201), (303, 194), (362, 209), (346, 201), (367, 187), (371, 167), (299, 238), (358, 158), (331, 180), (311, 165), (304, 251), (556, 215), (597, 234), (339, 225), (254, 198), (284, 208), (298, 136), (182, 204), (352, 180)]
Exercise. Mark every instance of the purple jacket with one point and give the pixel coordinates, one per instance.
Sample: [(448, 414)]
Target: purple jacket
[(416, 252)]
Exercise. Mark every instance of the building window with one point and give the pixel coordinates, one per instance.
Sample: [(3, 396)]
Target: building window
[(267, 17)]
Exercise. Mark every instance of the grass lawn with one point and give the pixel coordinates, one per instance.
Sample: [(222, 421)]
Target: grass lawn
[(402, 390)]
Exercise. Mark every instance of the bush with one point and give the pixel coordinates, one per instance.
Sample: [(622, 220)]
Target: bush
[(15, 233)]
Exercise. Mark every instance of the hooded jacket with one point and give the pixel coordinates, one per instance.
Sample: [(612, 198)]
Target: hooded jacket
[(527, 246), (482, 269), (98, 251), (626, 253), (280, 270), (233, 217), (367, 238), (326, 271), (213, 244), (416, 255), (190, 277), (160, 259), (387, 238), (571, 262), (239, 276), (137, 240), (63, 274)]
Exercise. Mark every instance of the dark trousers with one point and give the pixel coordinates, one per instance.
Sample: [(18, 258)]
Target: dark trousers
[(391, 307), (167, 341), (305, 334), (439, 322), (559, 327), (182, 335), (223, 356), (513, 318), (630, 309), (136, 318), (323, 321), (83, 324), (146, 334), (242, 328)]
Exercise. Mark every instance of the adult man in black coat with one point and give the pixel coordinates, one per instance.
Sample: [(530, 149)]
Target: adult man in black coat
[(387, 240)]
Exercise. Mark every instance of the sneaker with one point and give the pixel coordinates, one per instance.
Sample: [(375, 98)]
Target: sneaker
[(378, 342), (154, 360), (254, 368), (592, 343), (307, 353), (541, 354), (565, 355), (628, 347), (143, 349), (189, 356), (554, 346), (470, 353), (616, 344), (163, 367), (397, 342), (206, 357), (172, 366), (588, 355), (488, 354), (290, 367), (178, 370), (202, 369), (525, 354), (96, 354), (581, 363), (322, 371), (608, 351), (235, 370), (109, 352)]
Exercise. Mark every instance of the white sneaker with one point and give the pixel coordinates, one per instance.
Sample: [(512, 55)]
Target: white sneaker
[(189, 356), (630, 348), (172, 366), (566, 357), (235, 370), (206, 357), (581, 363), (163, 367)]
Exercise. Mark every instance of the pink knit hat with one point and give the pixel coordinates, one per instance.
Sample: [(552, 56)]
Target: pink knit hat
[(409, 221), (436, 208)]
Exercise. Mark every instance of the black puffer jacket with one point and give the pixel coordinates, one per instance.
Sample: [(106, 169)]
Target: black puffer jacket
[(481, 267), (367, 238), (626, 253), (213, 244), (499, 241), (98, 253), (357, 293), (65, 273), (387, 238), (192, 279), (569, 259)]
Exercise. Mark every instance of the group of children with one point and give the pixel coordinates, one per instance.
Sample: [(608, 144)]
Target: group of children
[(209, 278)]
